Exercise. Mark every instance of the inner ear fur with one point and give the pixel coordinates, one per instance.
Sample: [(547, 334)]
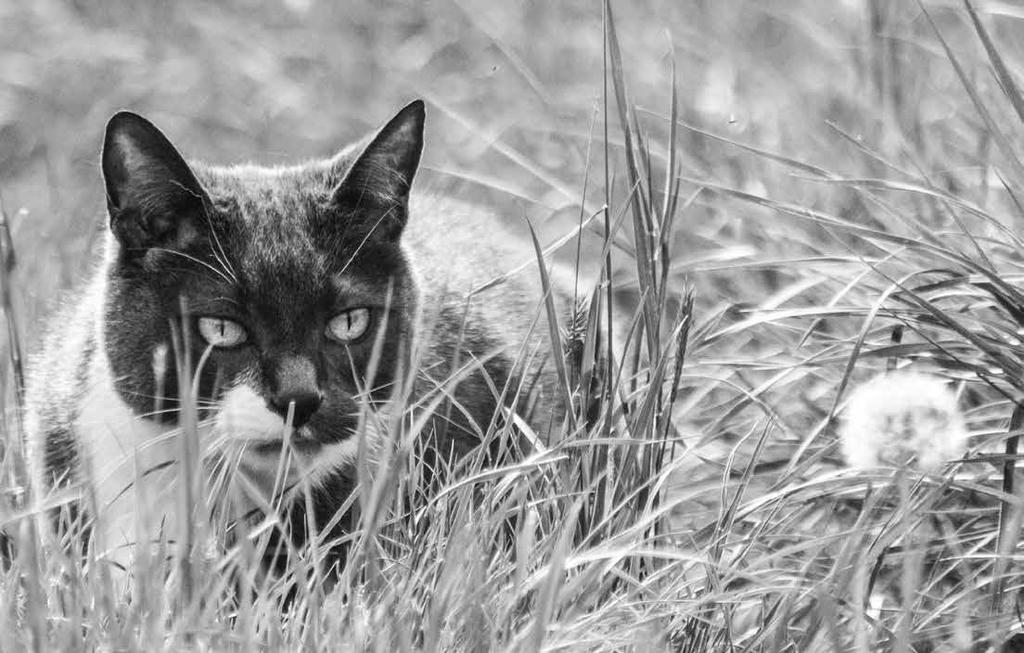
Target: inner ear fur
[(153, 197), (375, 188)]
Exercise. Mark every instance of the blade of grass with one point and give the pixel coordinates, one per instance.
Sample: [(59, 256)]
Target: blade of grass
[(1002, 73), (1009, 515), (979, 104), (557, 351)]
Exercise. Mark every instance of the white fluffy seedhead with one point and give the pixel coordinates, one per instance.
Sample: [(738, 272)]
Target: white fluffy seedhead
[(903, 418)]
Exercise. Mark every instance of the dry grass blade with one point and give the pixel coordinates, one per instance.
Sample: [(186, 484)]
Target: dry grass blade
[(641, 231), (788, 161), (12, 458), (1009, 152), (1010, 513), (554, 578), (999, 67), (557, 351), (7, 265)]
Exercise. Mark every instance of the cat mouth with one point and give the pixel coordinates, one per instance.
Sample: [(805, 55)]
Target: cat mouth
[(274, 447), (301, 442)]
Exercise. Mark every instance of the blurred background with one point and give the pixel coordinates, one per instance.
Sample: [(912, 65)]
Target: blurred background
[(514, 95)]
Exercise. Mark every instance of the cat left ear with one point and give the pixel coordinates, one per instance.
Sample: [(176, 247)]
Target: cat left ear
[(377, 184), (152, 195)]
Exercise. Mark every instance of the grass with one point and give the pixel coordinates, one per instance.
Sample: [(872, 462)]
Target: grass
[(788, 198)]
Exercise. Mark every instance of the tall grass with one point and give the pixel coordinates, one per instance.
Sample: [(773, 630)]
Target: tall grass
[(693, 498)]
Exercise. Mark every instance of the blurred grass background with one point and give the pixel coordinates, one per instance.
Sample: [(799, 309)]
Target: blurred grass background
[(513, 91), (278, 82)]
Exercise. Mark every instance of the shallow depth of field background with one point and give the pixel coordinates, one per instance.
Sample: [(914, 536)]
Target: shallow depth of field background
[(513, 92), (860, 94)]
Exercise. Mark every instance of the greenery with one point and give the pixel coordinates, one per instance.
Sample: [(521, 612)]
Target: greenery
[(780, 199)]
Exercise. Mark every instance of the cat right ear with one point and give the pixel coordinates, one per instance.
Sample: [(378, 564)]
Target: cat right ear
[(152, 195), (376, 184)]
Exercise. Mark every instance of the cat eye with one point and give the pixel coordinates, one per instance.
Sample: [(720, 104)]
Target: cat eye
[(220, 332), (350, 325)]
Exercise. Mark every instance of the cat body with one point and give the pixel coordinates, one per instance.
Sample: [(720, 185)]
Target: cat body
[(297, 296)]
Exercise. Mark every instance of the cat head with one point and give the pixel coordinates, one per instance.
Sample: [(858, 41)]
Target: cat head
[(285, 279)]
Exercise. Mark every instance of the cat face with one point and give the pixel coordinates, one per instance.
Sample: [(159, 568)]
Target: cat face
[(283, 282)]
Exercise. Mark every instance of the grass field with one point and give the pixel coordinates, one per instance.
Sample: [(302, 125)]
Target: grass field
[(802, 195)]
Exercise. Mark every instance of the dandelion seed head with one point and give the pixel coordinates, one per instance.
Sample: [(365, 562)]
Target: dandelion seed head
[(902, 418)]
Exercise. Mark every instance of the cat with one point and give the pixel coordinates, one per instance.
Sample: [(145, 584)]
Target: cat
[(284, 287)]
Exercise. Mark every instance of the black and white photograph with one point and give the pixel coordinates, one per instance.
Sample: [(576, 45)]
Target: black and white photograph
[(692, 326)]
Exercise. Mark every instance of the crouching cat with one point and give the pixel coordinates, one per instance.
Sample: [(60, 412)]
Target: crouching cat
[(297, 294)]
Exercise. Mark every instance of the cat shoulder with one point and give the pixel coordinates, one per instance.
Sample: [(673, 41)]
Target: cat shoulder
[(57, 375), (459, 247)]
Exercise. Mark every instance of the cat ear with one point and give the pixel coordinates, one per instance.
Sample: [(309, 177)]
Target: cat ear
[(152, 195), (377, 183)]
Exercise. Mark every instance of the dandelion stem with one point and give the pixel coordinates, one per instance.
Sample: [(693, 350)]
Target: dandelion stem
[(911, 560)]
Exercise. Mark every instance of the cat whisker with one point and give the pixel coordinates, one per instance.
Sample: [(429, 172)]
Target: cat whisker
[(220, 255), (219, 273), (362, 243)]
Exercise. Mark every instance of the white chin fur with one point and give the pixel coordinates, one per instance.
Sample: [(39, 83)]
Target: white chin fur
[(137, 492), (244, 415), (244, 420)]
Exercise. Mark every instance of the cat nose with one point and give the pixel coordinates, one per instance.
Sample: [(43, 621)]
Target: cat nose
[(294, 381), (306, 403)]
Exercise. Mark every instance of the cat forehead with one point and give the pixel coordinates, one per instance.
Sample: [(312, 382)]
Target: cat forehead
[(267, 212), (273, 222), (280, 208), (265, 186)]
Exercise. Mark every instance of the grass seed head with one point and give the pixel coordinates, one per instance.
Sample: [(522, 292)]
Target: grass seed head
[(903, 418)]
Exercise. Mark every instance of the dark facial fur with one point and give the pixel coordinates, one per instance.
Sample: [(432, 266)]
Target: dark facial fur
[(280, 251)]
